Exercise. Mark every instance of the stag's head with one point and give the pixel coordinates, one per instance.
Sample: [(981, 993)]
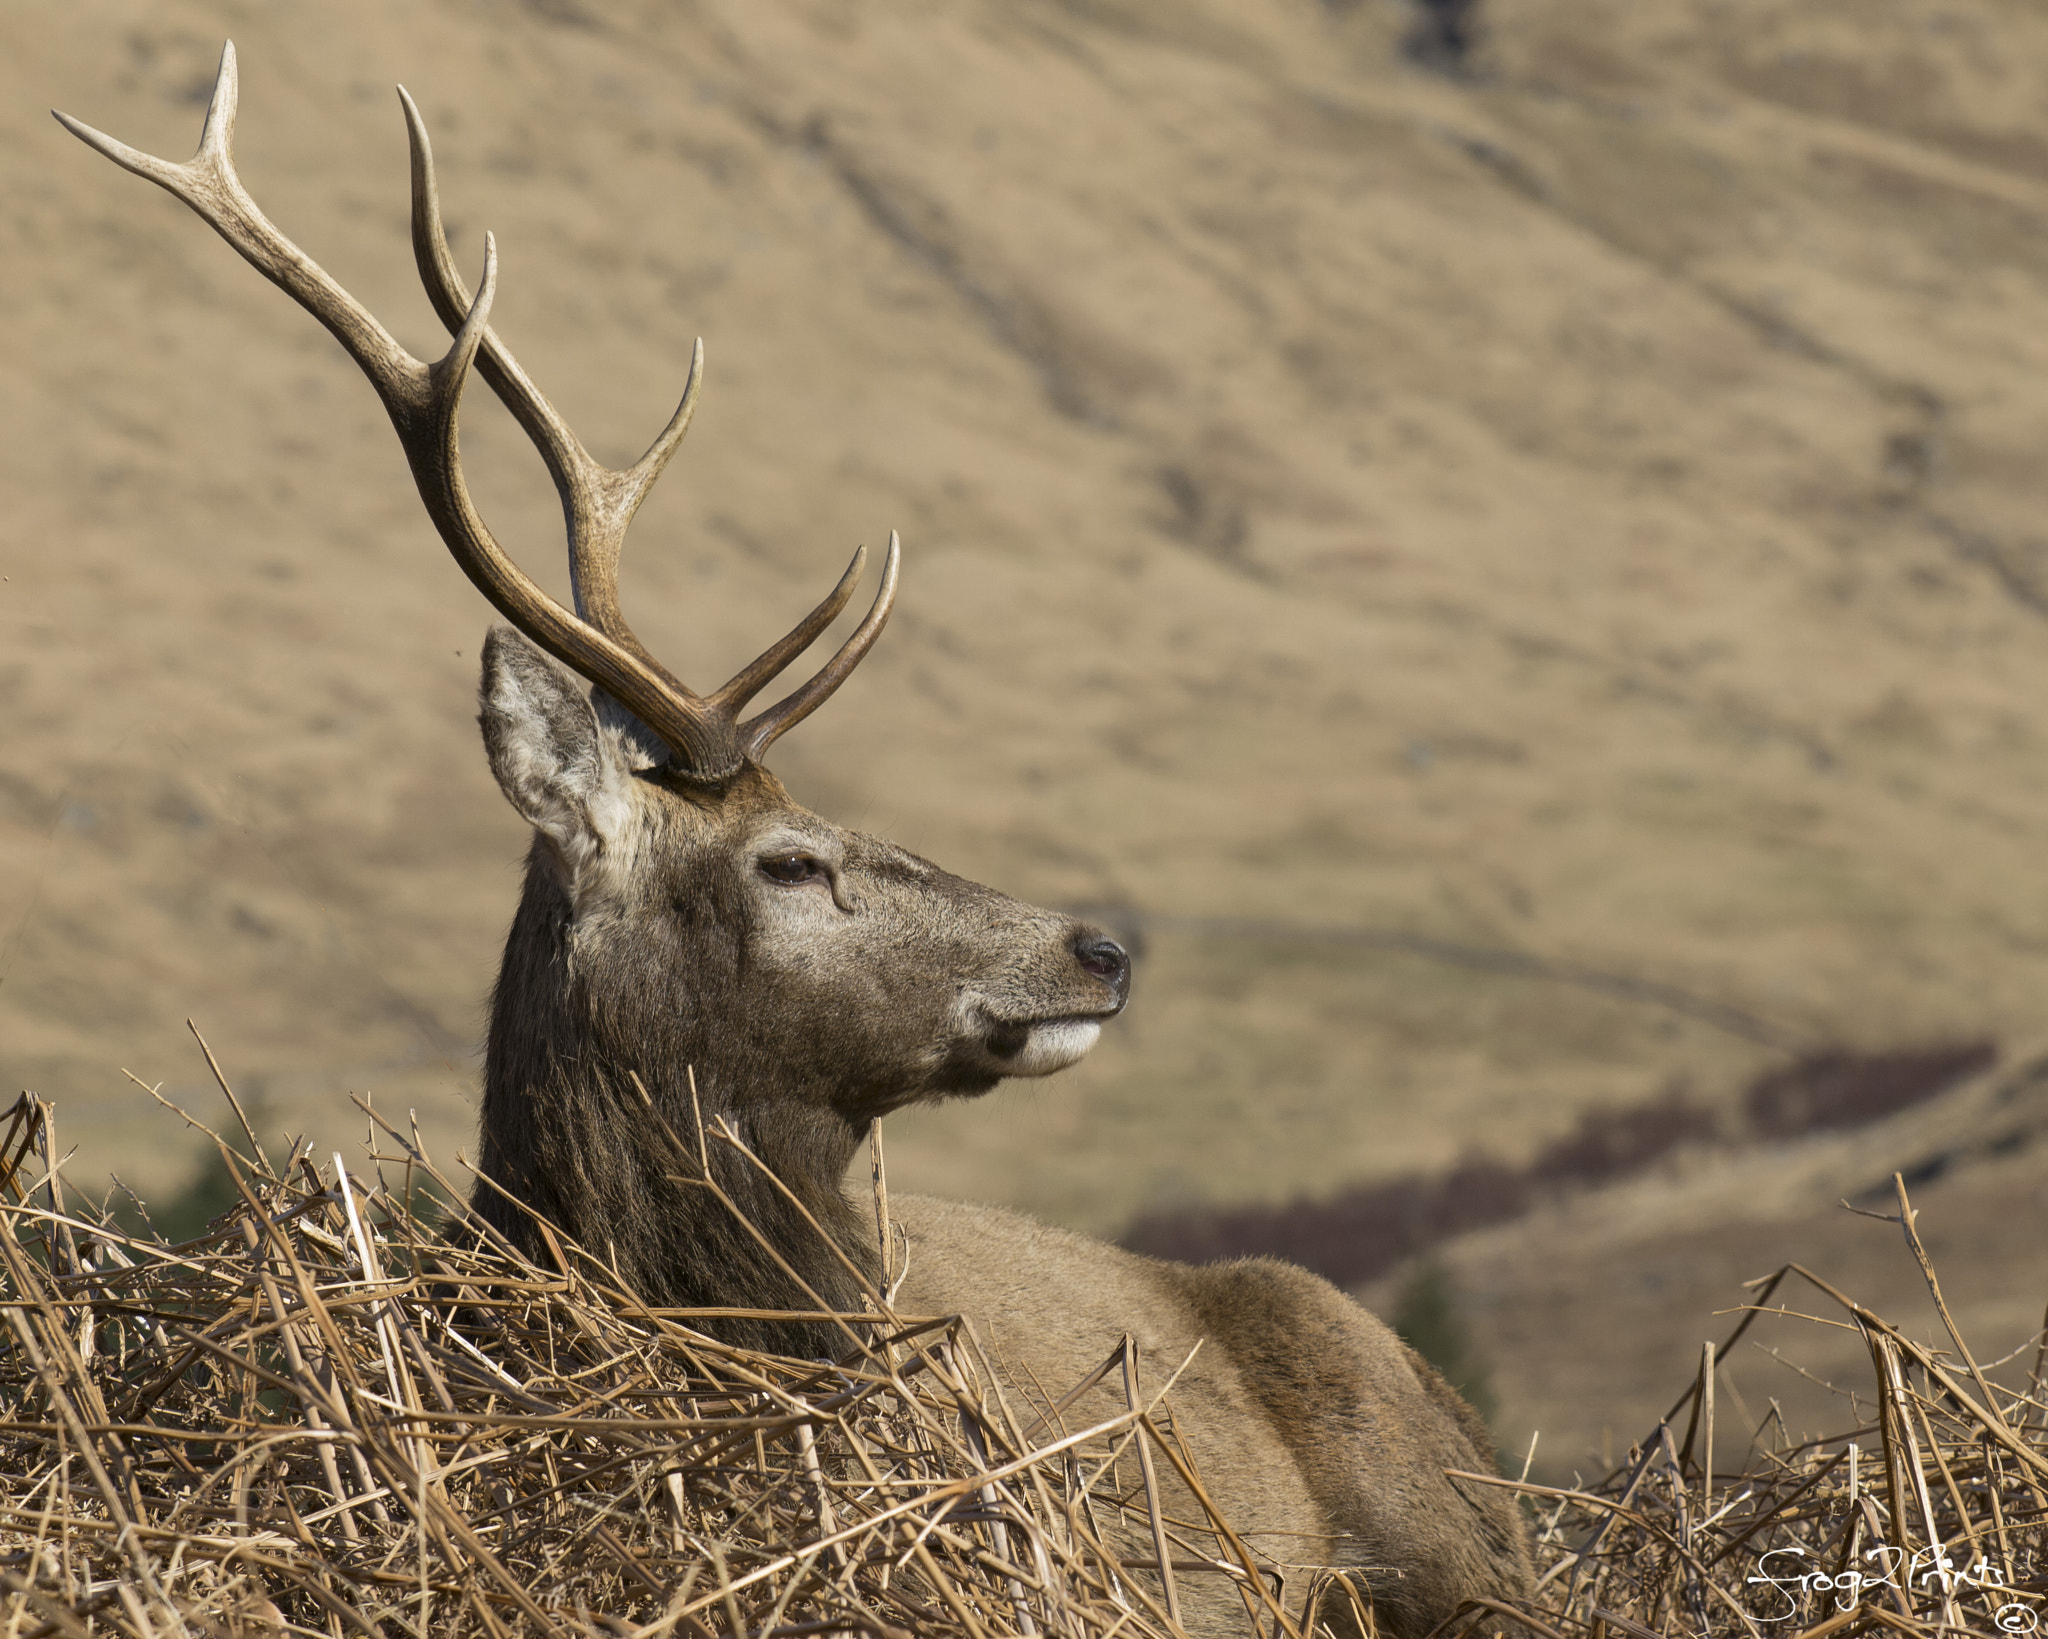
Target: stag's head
[(715, 922), (683, 919)]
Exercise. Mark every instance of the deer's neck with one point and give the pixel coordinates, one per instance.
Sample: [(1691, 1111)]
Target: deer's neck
[(568, 1133)]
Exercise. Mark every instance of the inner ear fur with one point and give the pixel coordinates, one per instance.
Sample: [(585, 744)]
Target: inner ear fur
[(565, 773)]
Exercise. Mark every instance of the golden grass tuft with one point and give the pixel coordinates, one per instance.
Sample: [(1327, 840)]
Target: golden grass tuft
[(1927, 1515), (329, 1416)]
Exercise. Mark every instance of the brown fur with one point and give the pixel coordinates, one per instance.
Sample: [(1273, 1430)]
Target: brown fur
[(1321, 1435)]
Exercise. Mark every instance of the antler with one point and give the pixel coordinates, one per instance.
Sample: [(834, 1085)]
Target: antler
[(703, 732)]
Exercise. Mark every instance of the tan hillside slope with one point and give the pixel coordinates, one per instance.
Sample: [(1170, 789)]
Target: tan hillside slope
[(1522, 588), (1588, 1315)]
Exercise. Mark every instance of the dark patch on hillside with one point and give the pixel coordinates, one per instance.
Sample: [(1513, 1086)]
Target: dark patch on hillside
[(1838, 1089), (1360, 1233)]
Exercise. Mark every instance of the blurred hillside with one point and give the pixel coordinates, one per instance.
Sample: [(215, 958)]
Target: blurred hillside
[(1526, 589)]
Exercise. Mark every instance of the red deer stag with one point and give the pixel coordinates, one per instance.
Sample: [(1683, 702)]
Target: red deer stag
[(681, 913)]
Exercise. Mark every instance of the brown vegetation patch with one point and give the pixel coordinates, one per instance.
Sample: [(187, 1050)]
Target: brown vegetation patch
[(1361, 1233), (1842, 1089)]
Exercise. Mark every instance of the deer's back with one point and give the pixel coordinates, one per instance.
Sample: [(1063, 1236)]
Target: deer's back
[(1323, 1438)]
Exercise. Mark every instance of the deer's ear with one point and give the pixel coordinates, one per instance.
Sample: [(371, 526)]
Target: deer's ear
[(565, 775)]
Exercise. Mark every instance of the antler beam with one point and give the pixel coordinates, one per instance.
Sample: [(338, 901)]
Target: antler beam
[(703, 733)]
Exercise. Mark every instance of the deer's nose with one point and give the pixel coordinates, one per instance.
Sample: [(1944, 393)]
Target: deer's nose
[(1106, 960)]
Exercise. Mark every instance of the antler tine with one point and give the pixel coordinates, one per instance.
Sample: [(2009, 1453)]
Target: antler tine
[(758, 673), (598, 502), (208, 184), (759, 733), (423, 402)]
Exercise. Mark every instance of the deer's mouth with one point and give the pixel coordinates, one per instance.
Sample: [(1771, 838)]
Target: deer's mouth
[(988, 1048), (1053, 1044), (1039, 1047)]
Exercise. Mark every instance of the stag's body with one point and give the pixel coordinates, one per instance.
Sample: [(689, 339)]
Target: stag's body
[(1323, 1438), (696, 952), (665, 984)]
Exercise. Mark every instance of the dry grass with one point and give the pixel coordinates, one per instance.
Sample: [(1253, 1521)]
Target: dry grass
[(1927, 1515), (329, 1416)]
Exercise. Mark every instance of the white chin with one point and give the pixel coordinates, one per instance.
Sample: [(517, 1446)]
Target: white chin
[(1054, 1046)]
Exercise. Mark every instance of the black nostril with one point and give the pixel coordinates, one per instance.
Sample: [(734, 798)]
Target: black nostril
[(1105, 959)]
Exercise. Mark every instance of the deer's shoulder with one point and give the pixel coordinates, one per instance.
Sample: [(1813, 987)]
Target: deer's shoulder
[(1283, 1338)]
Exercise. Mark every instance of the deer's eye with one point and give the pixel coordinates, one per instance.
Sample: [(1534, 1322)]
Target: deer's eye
[(791, 868)]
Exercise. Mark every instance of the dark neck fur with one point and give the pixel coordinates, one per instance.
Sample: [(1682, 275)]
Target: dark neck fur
[(566, 1131)]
